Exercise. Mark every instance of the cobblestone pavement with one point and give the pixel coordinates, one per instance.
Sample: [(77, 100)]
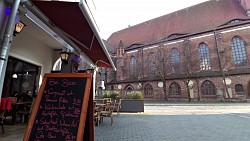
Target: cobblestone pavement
[(169, 122), (178, 122)]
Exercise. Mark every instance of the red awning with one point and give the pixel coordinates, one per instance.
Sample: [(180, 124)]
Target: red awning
[(70, 19)]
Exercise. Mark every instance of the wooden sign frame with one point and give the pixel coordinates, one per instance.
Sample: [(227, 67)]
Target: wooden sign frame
[(84, 107)]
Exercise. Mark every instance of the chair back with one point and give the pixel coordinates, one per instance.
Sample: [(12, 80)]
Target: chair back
[(98, 100), (107, 100), (2, 114), (14, 100)]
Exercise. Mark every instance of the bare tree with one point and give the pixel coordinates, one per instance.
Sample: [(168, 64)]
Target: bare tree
[(190, 64), (161, 63), (222, 64)]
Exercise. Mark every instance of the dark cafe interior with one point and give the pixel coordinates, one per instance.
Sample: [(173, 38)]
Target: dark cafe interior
[(20, 86)]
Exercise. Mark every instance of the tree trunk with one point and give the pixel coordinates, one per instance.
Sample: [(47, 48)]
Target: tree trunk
[(198, 88), (164, 90), (188, 91)]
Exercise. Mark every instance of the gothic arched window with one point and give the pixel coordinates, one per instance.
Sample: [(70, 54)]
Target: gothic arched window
[(132, 66), (239, 52), (239, 89), (204, 57), (208, 88), (175, 89), (151, 64), (175, 60), (148, 91)]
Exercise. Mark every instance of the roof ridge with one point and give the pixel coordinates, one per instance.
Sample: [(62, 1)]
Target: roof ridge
[(193, 19)]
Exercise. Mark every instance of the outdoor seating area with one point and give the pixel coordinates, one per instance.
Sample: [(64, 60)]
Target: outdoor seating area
[(13, 111), (104, 108)]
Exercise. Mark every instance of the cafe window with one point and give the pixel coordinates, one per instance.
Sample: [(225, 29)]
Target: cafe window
[(20, 77)]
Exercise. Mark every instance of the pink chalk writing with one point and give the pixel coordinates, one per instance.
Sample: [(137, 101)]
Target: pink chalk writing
[(59, 110), (39, 135), (53, 82), (63, 100), (51, 136), (53, 107), (51, 114), (66, 83)]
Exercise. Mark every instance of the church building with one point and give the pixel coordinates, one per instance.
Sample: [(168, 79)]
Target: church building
[(200, 53)]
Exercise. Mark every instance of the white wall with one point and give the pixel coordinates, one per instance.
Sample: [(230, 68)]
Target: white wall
[(31, 50)]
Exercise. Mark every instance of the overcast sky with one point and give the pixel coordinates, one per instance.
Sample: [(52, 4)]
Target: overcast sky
[(115, 15)]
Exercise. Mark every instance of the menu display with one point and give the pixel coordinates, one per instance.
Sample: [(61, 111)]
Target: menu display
[(59, 111)]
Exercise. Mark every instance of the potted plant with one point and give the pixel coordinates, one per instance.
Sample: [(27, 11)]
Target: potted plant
[(133, 102), (114, 95)]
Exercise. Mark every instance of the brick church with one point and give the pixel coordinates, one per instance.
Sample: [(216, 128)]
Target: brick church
[(200, 53)]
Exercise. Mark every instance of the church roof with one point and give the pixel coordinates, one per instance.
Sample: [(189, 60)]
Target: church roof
[(194, 19)]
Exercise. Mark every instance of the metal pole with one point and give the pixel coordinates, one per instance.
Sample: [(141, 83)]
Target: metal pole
[(5, 45)]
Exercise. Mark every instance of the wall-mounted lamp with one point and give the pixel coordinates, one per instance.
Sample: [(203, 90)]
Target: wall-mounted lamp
[(64, 57), (18, 27), (14, 75)]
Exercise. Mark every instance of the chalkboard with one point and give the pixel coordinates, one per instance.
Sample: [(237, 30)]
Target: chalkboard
[(60, 111)]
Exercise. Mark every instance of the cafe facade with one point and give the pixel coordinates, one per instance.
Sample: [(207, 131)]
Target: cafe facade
[(36, 49)]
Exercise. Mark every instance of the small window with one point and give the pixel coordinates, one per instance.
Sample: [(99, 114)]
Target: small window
[(174, 35), (239, 89), (175, 89), (129, 89), (148, 90), (234, 21), (208, 88)]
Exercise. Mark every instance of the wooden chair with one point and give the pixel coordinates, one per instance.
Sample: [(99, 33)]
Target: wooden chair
[(13, 110), (2, 118), (108, 112), (97, 116), (5, 105), (107, 100), (118, 106), (25, 112), (99, 101)]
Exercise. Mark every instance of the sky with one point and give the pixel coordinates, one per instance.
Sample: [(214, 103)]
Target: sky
[(114, 15)]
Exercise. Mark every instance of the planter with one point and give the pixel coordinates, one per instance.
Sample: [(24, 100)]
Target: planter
[(132, 105)]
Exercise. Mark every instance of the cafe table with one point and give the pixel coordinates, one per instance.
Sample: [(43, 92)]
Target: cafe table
[(25, 110)]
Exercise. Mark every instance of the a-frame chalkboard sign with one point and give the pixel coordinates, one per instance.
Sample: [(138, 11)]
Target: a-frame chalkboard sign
[(61, 108)]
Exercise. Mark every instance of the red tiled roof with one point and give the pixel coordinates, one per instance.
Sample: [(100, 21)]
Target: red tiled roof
[(246, 4), (194, 19)]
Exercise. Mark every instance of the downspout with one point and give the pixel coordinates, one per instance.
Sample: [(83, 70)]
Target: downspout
[(6, 42), (221, 70)]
